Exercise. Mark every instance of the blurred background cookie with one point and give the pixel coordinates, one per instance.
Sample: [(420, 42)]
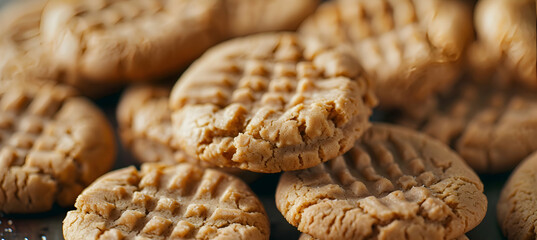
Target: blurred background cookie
[(493, 128), (20, 43), (506, 45), (395, 183), (161, 201), (119, 41), (269, 103), (410, 49), (53, 145)]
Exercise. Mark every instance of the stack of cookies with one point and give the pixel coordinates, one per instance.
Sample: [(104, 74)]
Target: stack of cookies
[(275, 87)]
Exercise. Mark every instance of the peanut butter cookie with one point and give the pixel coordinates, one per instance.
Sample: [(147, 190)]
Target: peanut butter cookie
[(493, 128), (52, 145), (145, 129), (180, 201), (517, 206), (506, 41), (126, 40), (394, 184), (410, 48), (271, 102)]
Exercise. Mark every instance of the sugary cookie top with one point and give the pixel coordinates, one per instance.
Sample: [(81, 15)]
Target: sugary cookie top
[(270, 102), (53, 144), (167, 201), (394, 183)]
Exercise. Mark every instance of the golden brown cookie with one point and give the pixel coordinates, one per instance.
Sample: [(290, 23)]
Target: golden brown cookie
[(506, 41), (180, 201), (493, 128), (410, 48), (517, 206), (52, 145), (145, 128), (269, 103), (394, 184), (123, 40)]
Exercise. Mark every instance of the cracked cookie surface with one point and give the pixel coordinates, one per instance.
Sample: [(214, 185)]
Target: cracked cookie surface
[(135, 40), (493, 128), (393, 184), (145, 128), (161, 201), (506, 41), (271, 102), (52, 145), (517, 205), (410, 48)]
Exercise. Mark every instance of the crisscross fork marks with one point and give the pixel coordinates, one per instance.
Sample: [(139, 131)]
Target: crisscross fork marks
[(180, 201), (269, 103), (393, 182), (24, 118)]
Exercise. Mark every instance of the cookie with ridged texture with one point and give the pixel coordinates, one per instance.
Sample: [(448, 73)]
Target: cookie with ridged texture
[(410, 48), (506, 43), (145, 128), (517, 205), (304, 236), (180, 201), (395, 183), (493, 128), (121, 40), (53, 145), (271, 102)]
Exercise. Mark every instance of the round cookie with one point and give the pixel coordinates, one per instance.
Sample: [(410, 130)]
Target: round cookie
[(52, 145), (304, 236), (517, 206), (506, 41), (394, 184), (145, 129), (410, 48), (126, 40), (180, 201), (493, 128), (269, 103)]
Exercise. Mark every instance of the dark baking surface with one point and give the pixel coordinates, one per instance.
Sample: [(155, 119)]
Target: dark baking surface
[(49, 225)]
